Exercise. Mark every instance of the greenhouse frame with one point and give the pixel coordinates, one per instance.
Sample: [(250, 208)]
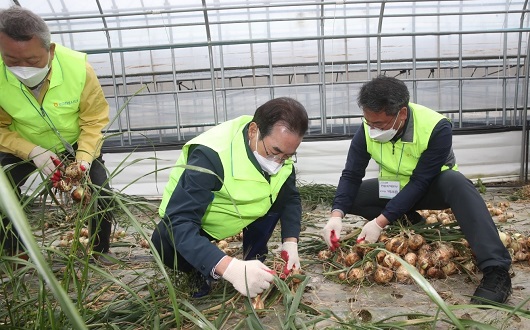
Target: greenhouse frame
[(172, 69)]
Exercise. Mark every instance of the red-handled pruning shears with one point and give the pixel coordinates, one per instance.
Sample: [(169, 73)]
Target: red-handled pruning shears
[(286, 271), (334, 241)]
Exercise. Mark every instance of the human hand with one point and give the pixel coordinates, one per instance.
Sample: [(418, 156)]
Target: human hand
[(290, 256), (84, 166), (331, 232), (251, 273), (370, 233), (43, 160)]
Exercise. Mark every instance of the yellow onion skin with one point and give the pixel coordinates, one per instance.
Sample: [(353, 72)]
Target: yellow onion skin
[(383, 275), (415, 242), (411, 258), (351, 258), (81, 194), (402, 275), (356, 275)]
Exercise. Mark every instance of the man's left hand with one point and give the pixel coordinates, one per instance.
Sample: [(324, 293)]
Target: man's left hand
[(290, 255), (370, 232), (84, 166)]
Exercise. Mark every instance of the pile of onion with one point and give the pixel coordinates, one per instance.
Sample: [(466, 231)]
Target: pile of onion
[(436, 259), (432, 260)]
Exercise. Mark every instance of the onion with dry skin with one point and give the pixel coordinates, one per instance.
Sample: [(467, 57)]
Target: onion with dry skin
[(416, 241), (520, 256), (423, 261), (506, 239), (411, 258), (450, 268), (402, 275), (380, 257), (351, 258), (222, 244), (324, 255), (356, 274), (440, 256), (342, 276), (390, 261), (368, 267), (383, 275), (398, 245), (435, 272), (362, 249), (258, 303), (81, 194)]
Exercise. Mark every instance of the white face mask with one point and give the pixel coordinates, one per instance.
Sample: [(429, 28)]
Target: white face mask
[(384, 135), (28, 75), (267, 165)]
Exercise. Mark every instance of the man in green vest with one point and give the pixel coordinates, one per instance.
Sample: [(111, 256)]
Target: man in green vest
[(51, 107), (412, 145), (247, 183)]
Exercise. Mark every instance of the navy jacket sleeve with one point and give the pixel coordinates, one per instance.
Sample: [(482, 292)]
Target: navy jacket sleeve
[(187, 205), (353, 173), (291, 214), (428, 167)]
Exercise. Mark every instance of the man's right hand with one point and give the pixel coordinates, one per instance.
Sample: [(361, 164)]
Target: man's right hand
[(251, 273), (331, 232), (43, 159)]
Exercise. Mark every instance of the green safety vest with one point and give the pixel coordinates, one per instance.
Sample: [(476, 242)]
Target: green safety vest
[(245, 195), (398, 160), (61, 102)]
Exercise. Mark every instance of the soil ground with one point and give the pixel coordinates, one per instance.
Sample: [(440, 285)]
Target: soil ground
[(354, 303)]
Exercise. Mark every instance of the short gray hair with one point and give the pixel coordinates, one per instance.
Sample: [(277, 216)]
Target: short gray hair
[(21, 24)]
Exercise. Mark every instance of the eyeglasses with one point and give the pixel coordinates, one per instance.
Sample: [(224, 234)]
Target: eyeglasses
[(366, 122), (276, 158)]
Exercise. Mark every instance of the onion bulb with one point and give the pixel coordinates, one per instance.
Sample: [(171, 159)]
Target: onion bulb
[(342, 276), (398, 245), (324, 255), (356, 274), (411, 258), (402, 275), (435, 272), (415, 241), (520, 256), (351, 258), (258, 303), (81, 194), (383, 275), (222, 244)]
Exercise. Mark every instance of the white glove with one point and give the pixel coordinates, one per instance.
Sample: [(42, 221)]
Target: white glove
[(43, 160), (84, 166), (290, 255), (251, 273), (331, 232), (370, 233)]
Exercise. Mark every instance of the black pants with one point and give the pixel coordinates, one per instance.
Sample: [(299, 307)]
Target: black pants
[(18, 172), (255, 238), (450, 189)]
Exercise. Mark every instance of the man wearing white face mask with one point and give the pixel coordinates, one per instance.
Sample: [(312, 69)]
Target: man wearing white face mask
[(51, 107), (253, 188), (413, 147)]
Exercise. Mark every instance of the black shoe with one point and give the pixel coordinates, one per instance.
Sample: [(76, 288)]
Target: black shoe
[(202, 286), (496, 285)]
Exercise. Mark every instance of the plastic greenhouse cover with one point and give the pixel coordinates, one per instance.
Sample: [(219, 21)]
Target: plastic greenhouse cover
[(133, 24)]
